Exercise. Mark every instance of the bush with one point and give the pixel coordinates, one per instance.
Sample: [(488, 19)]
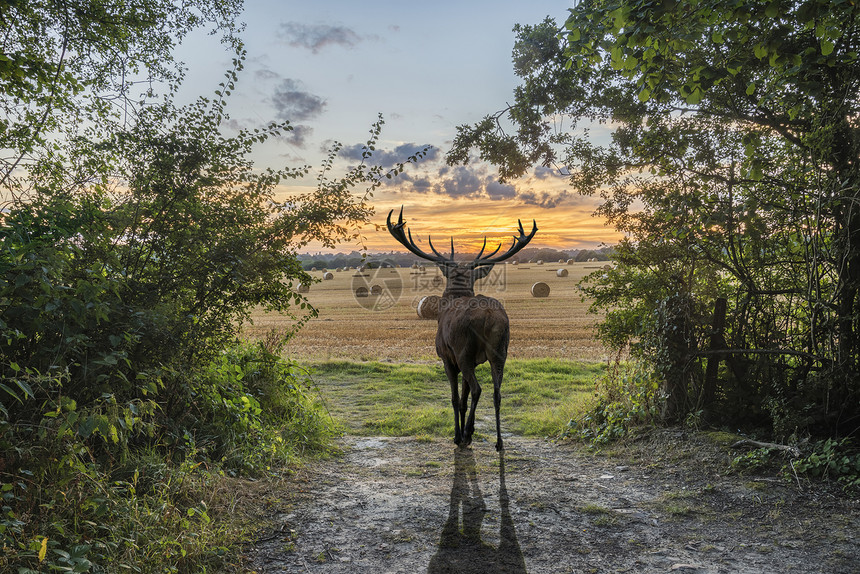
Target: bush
[(246, 392), (84, 474), (626, 397), (834, 460)]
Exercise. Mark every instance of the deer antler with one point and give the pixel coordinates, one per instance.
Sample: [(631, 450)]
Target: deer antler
[(405, 239), (397, 231), (519, 242)]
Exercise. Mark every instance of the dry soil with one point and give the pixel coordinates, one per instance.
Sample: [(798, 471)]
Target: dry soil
[(665, 503)]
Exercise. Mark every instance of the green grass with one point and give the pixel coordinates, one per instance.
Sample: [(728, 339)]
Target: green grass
[(539, 396)]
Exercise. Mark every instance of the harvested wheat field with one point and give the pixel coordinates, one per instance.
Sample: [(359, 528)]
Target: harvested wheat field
[(386, 326)]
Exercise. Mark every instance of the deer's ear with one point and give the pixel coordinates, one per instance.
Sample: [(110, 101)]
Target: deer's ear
[(481, 272)]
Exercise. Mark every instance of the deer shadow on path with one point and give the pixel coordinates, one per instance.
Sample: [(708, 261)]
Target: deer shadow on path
[(461, 549)]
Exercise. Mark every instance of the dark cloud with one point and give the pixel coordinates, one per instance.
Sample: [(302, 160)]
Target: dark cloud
[(292, 103), (389, 158), (298, 136), (462, 183), (422, 185), (543, 198), (542, 172), (497, 190), (316, 37)]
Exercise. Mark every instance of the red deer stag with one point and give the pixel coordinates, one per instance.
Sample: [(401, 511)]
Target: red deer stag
[(472, 328)]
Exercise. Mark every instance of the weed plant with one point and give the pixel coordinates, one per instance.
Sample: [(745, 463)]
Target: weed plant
[(114, 488), (625, 397)]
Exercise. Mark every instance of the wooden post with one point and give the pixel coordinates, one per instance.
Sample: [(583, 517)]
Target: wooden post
[(676, 335), (718, 342)]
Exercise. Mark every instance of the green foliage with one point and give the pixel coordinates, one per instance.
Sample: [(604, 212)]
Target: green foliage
[(67, 68), (730, 168), (135, 239), (627, 397), (63, 481), (756, 460), (243, 395), (833, 460)]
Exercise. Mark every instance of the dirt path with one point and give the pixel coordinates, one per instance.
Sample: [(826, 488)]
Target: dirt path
[(662, 505)]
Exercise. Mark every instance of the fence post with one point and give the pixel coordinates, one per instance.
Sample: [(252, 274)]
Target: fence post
[(718, 342)]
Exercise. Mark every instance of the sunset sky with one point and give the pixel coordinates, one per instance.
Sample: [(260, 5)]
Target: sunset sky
[(330, 67)]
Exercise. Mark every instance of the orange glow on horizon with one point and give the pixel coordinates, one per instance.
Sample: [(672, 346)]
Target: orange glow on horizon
[(469, 222)]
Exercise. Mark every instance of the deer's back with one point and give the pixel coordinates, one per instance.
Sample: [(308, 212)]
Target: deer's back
[(472, 329)]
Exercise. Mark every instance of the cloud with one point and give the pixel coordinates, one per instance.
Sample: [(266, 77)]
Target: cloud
[(264, 74), (389, 158), (294, 104), (542, 172), (543, 198), (298, 136), (497, 190), (463, 183), (234, 125), (317, 37), (422, 185)]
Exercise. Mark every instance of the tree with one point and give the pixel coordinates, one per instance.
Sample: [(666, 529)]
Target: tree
[(135, 238), (81, 63), (734, 125)]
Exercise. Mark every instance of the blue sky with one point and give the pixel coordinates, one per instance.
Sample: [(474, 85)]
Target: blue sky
[(330, 67)]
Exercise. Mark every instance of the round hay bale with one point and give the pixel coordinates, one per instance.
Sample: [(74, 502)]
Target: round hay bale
[(539, 262), (376, 290), (328, 275), (607, 267), (362, 292), (561, 260), (570, 261), (428, 307), (514, 262), (561, 272), (303, 288), (540, 289), (313, 268)]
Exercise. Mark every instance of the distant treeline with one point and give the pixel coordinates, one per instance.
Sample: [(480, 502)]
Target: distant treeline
[(398, 258)]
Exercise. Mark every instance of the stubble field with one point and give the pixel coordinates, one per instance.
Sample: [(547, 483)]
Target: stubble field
[(386, 327)]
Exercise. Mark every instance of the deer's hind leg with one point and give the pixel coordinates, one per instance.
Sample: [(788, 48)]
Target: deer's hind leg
[(497, 369), (475, 390), (464, 402), (452, 371)]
